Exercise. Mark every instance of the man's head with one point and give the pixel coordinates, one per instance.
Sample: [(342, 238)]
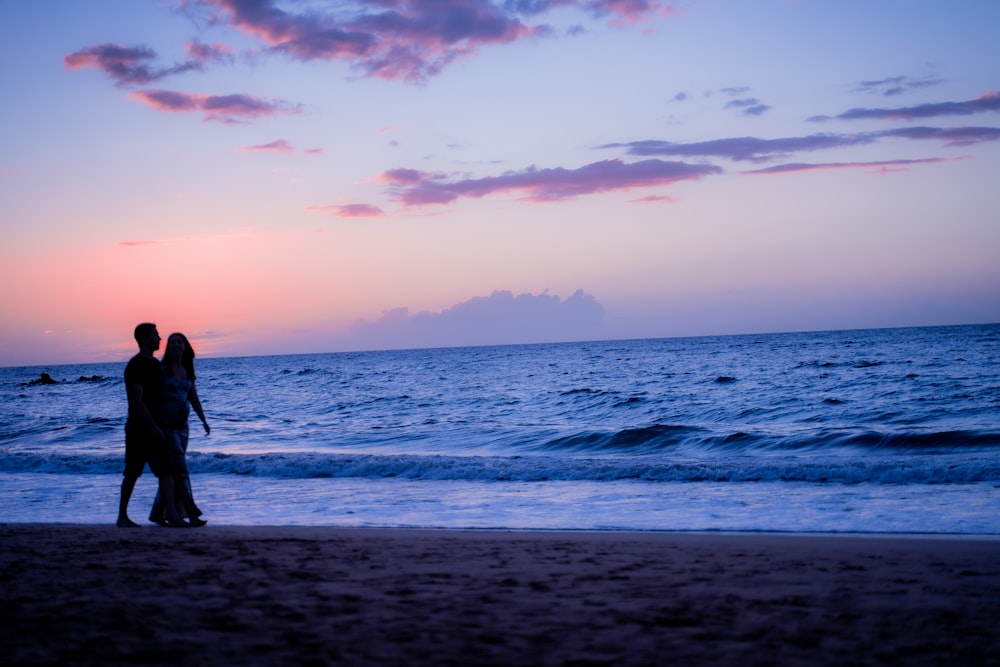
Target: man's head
[(147, 337)]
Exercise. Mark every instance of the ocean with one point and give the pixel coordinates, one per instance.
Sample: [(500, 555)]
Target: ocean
[(868, 431)]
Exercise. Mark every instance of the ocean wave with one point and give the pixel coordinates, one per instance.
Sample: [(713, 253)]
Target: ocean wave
[(648, 439), (929, 469), (661, 438)]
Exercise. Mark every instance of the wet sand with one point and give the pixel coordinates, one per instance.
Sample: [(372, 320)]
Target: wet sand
[(234, 595)]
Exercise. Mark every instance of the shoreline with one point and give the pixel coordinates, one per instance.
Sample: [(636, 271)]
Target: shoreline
[(542, 531), (277, 595)]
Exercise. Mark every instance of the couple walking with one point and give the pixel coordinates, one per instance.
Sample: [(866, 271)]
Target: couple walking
[(160, 395)]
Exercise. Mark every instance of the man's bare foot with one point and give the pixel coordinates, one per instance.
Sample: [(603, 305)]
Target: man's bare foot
[(125, 522)]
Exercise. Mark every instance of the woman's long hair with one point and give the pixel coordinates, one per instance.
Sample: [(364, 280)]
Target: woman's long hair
[(187, 356)]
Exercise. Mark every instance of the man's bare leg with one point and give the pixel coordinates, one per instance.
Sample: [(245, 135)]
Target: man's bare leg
[(128, 485)]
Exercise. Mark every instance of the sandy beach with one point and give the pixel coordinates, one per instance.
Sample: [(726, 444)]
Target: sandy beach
[(100, 595)]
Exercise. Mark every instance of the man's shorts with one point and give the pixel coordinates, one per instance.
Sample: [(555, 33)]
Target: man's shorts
[(141, 449)]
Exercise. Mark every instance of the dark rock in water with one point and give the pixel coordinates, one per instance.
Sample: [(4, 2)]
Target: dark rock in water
[(725, 378), (44, 379), (92, 378)]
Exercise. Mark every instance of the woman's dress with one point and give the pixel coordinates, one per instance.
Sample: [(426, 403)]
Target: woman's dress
[(175, 431)]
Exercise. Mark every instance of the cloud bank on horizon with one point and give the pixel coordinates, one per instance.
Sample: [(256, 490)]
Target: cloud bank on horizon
[(498, 319), (441, 144)]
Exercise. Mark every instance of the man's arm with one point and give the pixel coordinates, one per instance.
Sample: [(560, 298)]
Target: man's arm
[(135, 402)]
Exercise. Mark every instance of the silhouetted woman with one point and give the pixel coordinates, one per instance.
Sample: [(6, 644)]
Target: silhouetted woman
[(179, 395)]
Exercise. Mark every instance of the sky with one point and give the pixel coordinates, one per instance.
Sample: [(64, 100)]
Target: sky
[(276, 177)]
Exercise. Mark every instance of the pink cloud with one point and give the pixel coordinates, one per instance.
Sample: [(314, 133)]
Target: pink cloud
[(214, 52), (132, 244), (415, 188), (277, 146), (884, 166), (128, 66), (348, 210), (656, 199), (624, 13), (222, 108), (402, 177)]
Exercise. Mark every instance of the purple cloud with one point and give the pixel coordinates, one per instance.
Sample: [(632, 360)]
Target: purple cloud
[(403, 176), (415, 188), (128, 66), (949, 136), (409, 39), (742, 149), (220, 108), (404, 39), (391, 39), (751, 106), (882, 166), (987, 102), (895, 85), (754, 149)]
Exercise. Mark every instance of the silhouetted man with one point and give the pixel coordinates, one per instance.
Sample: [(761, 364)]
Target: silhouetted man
[(144, 441)]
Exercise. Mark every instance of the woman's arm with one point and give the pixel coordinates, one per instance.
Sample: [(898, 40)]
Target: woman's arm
[(196, 404)]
